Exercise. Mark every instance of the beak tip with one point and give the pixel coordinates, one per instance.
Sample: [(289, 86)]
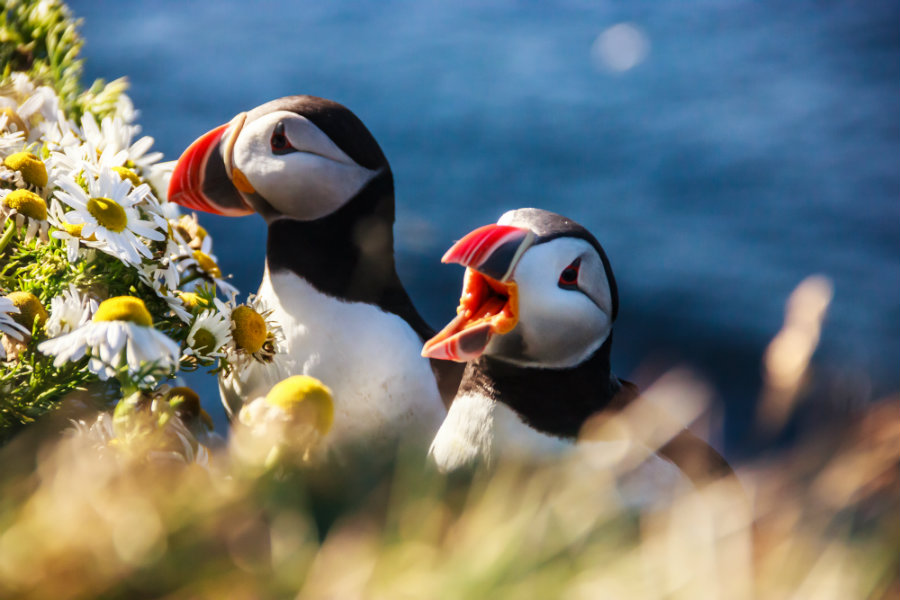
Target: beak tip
[(190, 173)]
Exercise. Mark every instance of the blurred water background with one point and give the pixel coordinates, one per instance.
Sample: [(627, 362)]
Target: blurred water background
[(720, 150)]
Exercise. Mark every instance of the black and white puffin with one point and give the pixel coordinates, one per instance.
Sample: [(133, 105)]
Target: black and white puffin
[(534, 326), (317, 176)]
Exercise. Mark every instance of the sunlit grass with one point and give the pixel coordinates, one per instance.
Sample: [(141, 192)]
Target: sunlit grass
[(818, 520)]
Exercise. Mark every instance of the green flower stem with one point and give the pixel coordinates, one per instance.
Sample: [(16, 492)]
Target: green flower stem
[(190, 278), (127, 384), (7, 234)]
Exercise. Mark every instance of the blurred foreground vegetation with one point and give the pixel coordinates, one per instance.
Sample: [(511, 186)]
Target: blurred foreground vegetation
[(86, 520)]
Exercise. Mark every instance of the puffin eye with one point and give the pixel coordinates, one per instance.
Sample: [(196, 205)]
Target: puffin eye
[(568, 279), (279, 141)]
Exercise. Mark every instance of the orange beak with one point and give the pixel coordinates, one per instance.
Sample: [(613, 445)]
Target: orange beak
[(490, 300), (203, 181)]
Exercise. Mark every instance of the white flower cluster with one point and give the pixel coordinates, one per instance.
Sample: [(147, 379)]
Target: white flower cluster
[(95, 265)]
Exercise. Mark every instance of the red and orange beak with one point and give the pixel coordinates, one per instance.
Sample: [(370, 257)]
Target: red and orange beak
[(204, 177), (490, 299)]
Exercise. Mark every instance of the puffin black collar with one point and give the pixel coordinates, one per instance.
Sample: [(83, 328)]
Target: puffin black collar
[(552, 401)]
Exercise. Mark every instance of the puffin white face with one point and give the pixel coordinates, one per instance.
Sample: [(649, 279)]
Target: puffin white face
[(565, 306), (292, 164)]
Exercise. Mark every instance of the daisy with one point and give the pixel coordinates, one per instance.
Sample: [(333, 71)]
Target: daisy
[(189, 230), (28, 210), (99, 431), (31, 312), (158, 177), (30, 110), (253, 335), (13, 126), (70, 234), (119, 334), (79, 160), (186, 405), (61, 133), (135, 432), (205, 269), (69, 311), (10, 141), (155, 425), (109, 213), (24, 170), (166, 270), (150, 274), (175, 303), (199, 300), (209, 333), (115, 134), (290, 421), (76, 159), (8, 324)]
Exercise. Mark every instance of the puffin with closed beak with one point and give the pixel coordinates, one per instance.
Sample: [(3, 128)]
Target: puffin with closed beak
[(320, 181), (534, 327)]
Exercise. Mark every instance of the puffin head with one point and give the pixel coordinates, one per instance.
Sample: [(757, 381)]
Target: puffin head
[(298, 157), (538, 291)]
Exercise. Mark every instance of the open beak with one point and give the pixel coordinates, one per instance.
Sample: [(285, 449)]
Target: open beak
[(204, 177), (490, 299)]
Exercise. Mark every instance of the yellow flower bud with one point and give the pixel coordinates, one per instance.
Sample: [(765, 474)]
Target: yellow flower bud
[(306, 399)]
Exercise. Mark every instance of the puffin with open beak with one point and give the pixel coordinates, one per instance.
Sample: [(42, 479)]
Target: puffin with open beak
[(320, 181), (534, 327)]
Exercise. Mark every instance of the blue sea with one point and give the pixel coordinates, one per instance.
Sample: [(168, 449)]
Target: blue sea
[(721, 150)]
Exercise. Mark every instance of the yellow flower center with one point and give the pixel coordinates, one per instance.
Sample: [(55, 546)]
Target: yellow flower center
[(126, 173), (185, 401), (108, 213), (27, 203), (191, 231), (31, 311), (192, 300), (15, 120), (124, 308), (75, 231), (207, 264), (306, 398), (204, 341), (30, 166), (248, 329)]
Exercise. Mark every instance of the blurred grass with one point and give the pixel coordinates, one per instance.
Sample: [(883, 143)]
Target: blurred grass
[(819, 520)]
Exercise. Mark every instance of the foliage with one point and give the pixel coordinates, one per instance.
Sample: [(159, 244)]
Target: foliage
[(85, 223)]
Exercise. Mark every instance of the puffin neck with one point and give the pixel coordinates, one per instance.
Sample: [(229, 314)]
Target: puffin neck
[(348, 254), (553, 401)]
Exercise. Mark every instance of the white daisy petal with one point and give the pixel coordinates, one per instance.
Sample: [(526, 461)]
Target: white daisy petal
[(111, 343), (140, 147), (7, 324)]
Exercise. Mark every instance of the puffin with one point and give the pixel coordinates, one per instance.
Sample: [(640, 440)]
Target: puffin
[(534, 329), (315, 174)]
